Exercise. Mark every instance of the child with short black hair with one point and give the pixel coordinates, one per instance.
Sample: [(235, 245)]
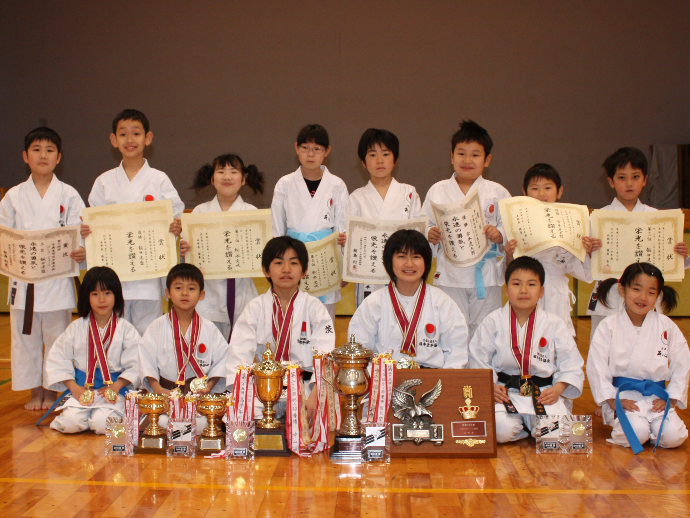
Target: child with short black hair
[(39, 312), (534, 359), (228, 174), (308, 204), (383, 197), (96, 358), (639, 363), (135, 181), (419, 322), (476, 289)]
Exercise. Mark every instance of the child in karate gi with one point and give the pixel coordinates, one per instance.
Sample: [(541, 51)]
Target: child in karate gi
[(308, 204), (39, 312), (639, 364), (476, 289), (96, 358), (544, 183), (226, 298), (627, 174), (412, 319), (135, 181), (383, 197), (182, 346), (291, 320), (533, 356)]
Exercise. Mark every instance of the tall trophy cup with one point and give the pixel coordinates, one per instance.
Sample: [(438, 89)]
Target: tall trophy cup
[(153, 438), (269, 438), (352, 382), (212, 407)]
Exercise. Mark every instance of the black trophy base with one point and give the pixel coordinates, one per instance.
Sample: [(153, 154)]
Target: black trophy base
[(270, 442), (210, 444), (347, 450), (152, 444)]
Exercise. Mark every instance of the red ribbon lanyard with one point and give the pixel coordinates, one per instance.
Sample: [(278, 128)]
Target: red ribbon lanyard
[(523, 358), (97, 349), (185, 353), (408, 328), (282, 327)]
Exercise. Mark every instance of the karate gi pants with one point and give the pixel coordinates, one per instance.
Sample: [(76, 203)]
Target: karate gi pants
[(473, 308), (75, 420), (646, 425)]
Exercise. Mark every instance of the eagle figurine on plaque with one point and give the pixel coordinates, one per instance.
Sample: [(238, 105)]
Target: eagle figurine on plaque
[(415, 416)]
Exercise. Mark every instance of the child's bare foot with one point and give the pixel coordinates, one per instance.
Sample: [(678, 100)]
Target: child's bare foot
[(48, 399), (36, 401)]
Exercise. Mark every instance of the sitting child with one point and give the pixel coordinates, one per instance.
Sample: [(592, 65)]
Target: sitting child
[(96, 358), (632, 357), (533, 356)]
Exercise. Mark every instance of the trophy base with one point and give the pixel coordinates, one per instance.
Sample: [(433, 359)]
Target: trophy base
[(211, 444), (152, 444), (347, 450), (270, 443)]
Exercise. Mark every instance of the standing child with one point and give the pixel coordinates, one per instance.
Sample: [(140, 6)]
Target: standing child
[(639, 364), (627, 174), (383, 197), (544, 183), (98, 352), (225, 299), (134, 181), (476, 289), (308, 204), (40, 312), (531, 353)]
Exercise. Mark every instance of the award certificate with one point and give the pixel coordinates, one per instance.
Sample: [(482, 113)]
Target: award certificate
[(538, 225), (227, 244), (364, 247), (325, 266), (132, 239)]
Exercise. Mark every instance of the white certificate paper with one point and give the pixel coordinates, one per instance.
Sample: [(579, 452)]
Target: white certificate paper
[(537, 225), (364, 247), (325, 266), (634, 237), (227, 245), (461, 224), (132, 239), (38, 255)]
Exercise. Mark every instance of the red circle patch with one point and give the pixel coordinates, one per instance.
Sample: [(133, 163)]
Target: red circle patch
[(543, 342), (148, 197), (330, 202), (202, 348), (430, 329), (409, 196), (665, 335), (491, 209), (62, 209)]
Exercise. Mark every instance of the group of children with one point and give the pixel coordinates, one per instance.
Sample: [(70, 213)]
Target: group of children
[(122, 337)]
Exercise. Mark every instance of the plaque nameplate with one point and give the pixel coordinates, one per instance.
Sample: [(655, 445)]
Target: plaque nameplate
[(268, 442), (468, 428), (206, 443), (152, 443)]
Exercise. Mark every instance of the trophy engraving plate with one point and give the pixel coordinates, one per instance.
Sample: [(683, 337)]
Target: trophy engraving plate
[(468, 428), (268, 442), (419, 434), (207, 443), (152, 443)]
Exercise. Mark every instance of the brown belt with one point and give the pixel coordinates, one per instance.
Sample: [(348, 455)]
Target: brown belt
[(169, 385)]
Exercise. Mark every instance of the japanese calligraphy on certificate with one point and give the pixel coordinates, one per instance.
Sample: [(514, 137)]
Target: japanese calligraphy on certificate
[(537, 225), (325, 266), (634, 237), (227, 244), (461, 224), (364, 248), (38, 255), (132, 239)]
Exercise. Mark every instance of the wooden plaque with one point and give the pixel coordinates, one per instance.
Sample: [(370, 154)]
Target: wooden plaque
[(445, 411)]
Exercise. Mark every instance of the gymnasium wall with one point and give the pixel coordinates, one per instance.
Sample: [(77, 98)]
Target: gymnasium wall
[(560, 82)]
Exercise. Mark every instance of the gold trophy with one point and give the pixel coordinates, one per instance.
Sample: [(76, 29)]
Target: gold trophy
[(269, 439), (212, 407), (352, 382), (153, 438)]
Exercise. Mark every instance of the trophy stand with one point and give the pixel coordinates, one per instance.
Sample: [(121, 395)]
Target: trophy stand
[(153, 439)]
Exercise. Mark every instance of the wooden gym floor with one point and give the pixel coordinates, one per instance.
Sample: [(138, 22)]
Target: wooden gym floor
[(45, 473)]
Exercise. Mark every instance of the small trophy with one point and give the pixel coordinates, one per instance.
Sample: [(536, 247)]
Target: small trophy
[(352, 381), (212, 407), (153, 438), (376, 442), (268, 378), (548, 433), (182, 438), (116, 437), (576, 434), (239, 439)]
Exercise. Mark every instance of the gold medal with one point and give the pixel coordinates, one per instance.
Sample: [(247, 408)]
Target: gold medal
[(110, 395), (198, 384), (86, 397), (239, 435), (119, 431), (577, 429), (526, 389), (176, 392)]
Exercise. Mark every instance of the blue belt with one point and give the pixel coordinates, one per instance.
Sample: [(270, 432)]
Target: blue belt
[(478, 277), (308, 237), (80, 379), (646, 388)]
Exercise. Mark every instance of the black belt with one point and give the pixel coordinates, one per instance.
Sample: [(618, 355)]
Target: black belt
[(535, 382)]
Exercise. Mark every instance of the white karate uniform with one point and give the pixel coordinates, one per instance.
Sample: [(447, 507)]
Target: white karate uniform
[(294, 208), (656, 351), (441, 332), (215, 304), (70, 351), (23, 208), (459, 283), (401, 202), (597, 310), (554, 353), (143, 299)]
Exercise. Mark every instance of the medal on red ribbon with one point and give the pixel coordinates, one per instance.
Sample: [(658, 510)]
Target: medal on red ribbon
[(185, 353), (282, 327), (408, 327), (97, 348), (523, 358)]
